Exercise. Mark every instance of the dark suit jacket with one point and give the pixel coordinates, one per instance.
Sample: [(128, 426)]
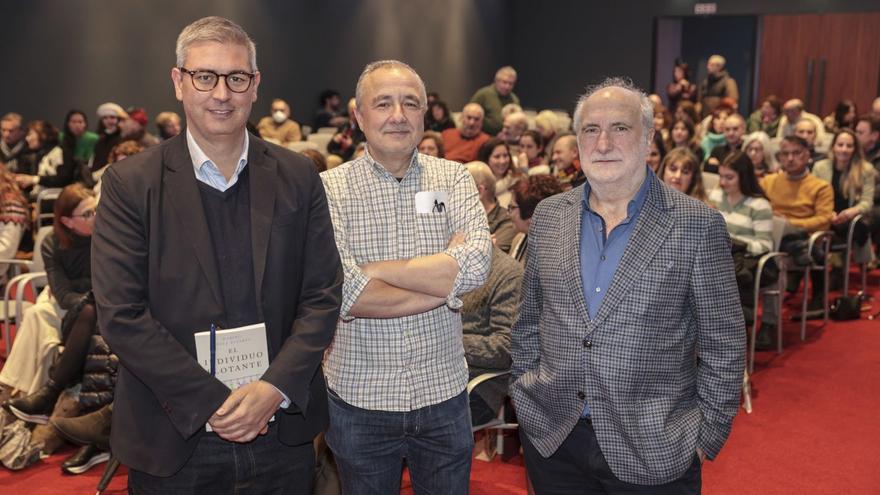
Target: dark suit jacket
[(662, 363), (156, 284)]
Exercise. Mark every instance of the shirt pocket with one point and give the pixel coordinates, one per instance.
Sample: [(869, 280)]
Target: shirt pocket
[(433, 232)]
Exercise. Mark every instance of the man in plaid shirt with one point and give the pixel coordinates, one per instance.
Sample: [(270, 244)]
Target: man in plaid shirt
[(413, 238)]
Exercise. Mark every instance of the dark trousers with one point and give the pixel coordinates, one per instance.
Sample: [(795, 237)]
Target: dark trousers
[(370, 447), (262, 466), (579, 467)]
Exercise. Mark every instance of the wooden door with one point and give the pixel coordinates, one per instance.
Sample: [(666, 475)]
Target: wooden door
[(821, 59)]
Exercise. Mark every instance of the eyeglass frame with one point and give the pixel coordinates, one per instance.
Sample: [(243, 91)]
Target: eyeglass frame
[(225, 77), (511, 208)]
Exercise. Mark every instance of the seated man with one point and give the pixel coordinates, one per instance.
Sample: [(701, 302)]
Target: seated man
[(500, 226), (565, 161), (12, 144), (807, 130), (807, 204), (792, 112), (515, 124), (463, 144), (278, 127), (734, 129)]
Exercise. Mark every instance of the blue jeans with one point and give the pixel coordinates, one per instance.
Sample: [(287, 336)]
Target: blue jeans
[(370, 447), (262, 466)]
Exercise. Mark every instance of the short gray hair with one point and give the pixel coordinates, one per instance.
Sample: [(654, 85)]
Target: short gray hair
[(216, 29), (506, 69), (646, 106), (388, 64), (482, 175)]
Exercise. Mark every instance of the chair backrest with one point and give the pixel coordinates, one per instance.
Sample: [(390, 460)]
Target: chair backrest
[(327, 130), (779, 224), (300, 146), (710, 181), (48, 194), (38, 265)]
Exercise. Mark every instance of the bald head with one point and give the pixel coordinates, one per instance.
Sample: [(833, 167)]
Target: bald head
[(715, 64), (792, 109), (565, 151), (806, 130), (514, 126), (483, 176), (471, 120)]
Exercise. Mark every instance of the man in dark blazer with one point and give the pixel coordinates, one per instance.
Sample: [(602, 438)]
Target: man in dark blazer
[(629, 349), (215, 226)]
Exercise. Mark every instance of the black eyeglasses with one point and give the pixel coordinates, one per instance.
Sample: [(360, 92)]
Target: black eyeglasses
[(86, 214), (510, 208), (206, 80)]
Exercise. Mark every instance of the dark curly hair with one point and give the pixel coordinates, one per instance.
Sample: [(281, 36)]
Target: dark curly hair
[(529, 191)]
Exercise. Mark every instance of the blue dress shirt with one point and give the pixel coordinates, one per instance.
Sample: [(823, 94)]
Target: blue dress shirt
[(600, 252)]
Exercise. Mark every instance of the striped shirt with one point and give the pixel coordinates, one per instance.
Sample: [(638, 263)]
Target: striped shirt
[(749, 221), (402, 364)]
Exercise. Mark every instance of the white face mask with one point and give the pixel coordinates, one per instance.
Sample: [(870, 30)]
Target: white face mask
[(278, 116)]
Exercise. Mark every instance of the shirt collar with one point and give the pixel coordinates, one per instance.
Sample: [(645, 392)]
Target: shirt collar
[(200, 159), (378, 168), (635, 205)]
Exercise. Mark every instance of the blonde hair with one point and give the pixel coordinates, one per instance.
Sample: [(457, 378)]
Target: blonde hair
[(857, 171)]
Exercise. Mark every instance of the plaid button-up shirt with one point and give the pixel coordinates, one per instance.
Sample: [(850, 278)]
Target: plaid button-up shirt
[(402, 364)]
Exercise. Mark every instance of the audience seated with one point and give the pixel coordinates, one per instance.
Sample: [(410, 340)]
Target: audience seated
[(168, 124), (792, 113), (547, 124), (662, 121), (119, 152), (807, 204), (807, 130), (515, 124), (656, 152), (317, 158), (565, 161), (852, 179), (278, 127), (689, 110), (683, 135), (493, 97), (759, 150), (66, 255), (531, 157), (43, 165), (462, 145), (500, 225), (328, 114), (527, 193), (77, 142), (432, 144), (713, 128), (109, 135), (717, 85), (767, 117), (14, 219), (347, 137), (437, 118), (844, 116), (134, 128), (734, 129), (496, 154), (12, 144), (868, 131), (681, 171), (749, 218)]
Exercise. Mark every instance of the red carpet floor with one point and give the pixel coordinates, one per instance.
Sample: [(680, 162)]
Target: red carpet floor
[(814, 429)]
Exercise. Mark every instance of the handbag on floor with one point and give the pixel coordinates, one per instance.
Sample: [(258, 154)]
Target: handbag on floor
[(846, 308)]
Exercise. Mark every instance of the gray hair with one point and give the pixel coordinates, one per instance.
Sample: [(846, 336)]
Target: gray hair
[(482, 175), (388, 64), (216, 29), (646, 107), (505, 70)]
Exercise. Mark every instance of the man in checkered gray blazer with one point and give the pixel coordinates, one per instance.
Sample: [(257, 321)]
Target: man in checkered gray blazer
[(629, 349)]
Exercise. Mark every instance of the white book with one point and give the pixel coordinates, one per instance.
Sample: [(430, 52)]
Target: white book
[(241, 355)]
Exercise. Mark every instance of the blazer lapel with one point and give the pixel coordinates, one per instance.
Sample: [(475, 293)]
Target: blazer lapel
[(571, 236), (651, 230), (263, 179), (185, 200)]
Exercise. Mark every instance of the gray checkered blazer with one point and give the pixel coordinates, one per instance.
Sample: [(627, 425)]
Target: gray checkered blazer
[(660, 366)]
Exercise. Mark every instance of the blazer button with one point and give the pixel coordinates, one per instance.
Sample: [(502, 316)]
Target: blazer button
[(588, 343), (581, 395)]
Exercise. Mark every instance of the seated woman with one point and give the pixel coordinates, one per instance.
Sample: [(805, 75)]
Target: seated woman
[(749, 218), (680, 170), (66, 254), (432, 144), (757, 147), (656, 153), (714, 135), (531, 153), (496, 154), (683, 134), (527, 193), (437, 118), (14, 219), (852, 178), (49, 168)]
